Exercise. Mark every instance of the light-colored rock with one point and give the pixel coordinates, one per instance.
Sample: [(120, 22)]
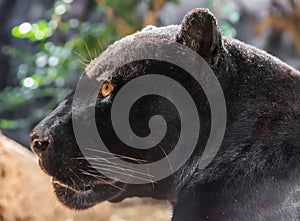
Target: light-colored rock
[(26, 193)]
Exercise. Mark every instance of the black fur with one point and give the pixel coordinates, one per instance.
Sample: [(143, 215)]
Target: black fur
[(255, 174)]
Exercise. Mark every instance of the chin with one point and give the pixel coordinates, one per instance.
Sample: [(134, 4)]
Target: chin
[(86, 196)]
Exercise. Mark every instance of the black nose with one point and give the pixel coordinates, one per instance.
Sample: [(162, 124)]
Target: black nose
[(39, 143)]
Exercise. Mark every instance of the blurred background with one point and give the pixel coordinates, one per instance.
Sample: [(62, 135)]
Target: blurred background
[(44, 47), (45, 44)]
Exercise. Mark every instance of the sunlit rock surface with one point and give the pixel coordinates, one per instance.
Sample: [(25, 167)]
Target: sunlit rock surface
[(26, 195)]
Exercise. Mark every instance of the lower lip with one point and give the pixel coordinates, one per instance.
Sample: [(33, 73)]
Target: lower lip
[(81, 192)]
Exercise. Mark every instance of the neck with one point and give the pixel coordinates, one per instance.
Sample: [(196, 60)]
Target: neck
[(268, 200)]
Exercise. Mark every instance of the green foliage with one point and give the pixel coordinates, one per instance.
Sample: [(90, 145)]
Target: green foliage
[(43, 74), (35, 32), (229, 16)]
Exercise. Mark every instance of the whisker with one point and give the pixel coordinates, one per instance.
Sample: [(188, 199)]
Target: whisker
[(89, 52), (116, 166), (168, 159), (94, 158), (100, 159), (102, 180), (108, 160), (100, 45), (76, 175), (121, 156), (95, 53), (83, 63), (119, 172), (74, 184), (99, 176), (124, 169), (83, 58)]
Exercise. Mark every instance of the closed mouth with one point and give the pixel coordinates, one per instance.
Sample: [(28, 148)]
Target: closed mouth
[(84, 196), (77, 198), (87, 189)]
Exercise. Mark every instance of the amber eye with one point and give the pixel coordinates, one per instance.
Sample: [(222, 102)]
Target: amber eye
[(107, 88)]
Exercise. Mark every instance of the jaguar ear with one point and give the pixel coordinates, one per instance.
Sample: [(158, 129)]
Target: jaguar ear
[(200, 32)]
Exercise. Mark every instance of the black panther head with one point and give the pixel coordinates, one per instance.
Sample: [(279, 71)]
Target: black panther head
[(257, 164)]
